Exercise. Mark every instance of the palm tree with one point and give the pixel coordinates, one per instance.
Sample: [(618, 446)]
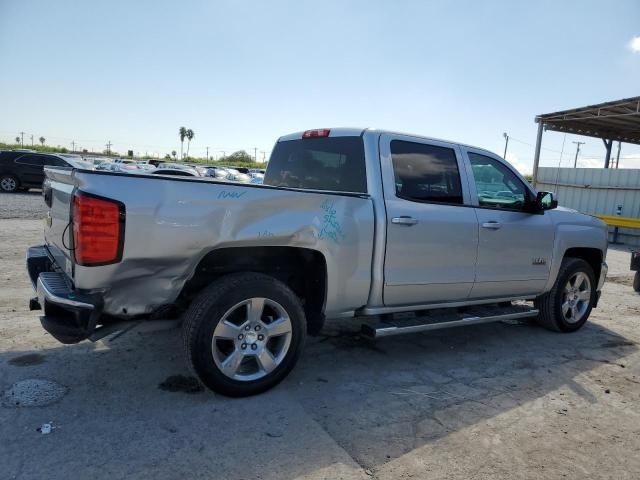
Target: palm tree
[(174, 153), (42, 140), (183, 134), (17, 139), (190, 136)]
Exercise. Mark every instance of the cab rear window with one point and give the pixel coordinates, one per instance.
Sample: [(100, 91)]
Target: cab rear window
[(328, 163)]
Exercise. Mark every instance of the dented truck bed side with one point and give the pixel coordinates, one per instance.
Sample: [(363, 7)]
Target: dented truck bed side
[(173, 223)]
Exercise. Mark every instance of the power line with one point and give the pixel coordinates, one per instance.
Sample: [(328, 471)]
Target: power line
[(547, 149)]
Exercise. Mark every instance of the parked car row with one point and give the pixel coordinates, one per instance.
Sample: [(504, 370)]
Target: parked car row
[(23, 169), (232, 174)]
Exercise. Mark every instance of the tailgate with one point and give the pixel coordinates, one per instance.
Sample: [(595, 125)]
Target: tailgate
[(57, 191)]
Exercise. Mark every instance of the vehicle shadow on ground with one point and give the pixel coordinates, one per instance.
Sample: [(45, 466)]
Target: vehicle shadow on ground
[(376, 401), (380, 401), (30, 192)]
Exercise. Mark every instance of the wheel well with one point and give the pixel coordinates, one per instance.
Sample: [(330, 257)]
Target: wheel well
[(301, 269), (592, 256), (10, 173)]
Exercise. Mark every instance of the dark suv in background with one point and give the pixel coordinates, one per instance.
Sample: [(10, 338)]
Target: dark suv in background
[(20, 169)]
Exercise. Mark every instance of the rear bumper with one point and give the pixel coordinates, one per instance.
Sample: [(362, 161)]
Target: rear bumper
[(70, 316)]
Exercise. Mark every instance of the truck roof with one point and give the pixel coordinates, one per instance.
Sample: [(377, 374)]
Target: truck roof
[(357, 131)]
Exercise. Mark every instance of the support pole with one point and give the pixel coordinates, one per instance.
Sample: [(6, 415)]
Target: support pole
[(536, 155), (618, 157), (607, 158)]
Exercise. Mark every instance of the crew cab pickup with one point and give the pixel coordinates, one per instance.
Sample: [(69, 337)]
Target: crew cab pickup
[(350, 223)]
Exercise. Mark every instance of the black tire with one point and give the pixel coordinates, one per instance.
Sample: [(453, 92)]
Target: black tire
[(6, 180), (207, 310), (636, 282), (551, 316)]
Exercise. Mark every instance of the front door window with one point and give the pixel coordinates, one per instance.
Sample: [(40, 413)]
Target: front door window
[(497, 185)]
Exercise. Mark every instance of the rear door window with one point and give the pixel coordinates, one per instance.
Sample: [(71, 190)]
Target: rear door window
[(33, 160), (54, 161), (426, 173), (328, 163)]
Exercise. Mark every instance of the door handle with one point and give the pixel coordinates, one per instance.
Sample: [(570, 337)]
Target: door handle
[(408, 221), (493, 225)]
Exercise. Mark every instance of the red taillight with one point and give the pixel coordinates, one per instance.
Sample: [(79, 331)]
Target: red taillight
[(98, 230), (321, 132)]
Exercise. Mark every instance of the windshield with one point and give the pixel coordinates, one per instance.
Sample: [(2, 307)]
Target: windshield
[(329, 163)]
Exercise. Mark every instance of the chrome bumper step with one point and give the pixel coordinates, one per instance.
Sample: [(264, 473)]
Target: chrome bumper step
[(439, 319), (53, 287)]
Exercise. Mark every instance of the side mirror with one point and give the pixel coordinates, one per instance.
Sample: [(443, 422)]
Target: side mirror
[(545, 201)]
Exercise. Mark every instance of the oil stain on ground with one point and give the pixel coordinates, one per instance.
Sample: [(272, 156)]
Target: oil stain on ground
[(181, 383), (27, 360)]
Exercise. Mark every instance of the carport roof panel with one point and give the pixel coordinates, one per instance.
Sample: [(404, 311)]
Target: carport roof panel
[(618, 120)]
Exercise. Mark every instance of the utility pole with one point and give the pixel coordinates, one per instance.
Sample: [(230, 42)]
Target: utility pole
[(263, 155), (32, 140), (108, 145), (73, 146), (22, 139), (224, 154), (506, 143), (207, 154), (575, 161), (255, 154)]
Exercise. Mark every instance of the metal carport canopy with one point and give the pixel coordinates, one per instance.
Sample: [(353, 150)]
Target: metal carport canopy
[(611, 121)]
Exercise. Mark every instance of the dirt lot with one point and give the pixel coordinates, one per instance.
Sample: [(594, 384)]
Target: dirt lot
[(22, 205), (505, 400)]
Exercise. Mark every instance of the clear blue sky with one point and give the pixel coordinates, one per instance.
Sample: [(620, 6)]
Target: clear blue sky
[(242, 73)]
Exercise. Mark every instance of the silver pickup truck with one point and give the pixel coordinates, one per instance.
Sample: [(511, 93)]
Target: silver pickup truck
[(404, 233)]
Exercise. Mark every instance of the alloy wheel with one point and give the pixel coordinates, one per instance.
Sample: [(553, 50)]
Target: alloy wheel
[(576, 297), (8, 184), (251, 339)]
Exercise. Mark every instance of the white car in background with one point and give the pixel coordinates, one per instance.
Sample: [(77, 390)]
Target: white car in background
[(256, 178), (239, 177), (119, 167), (172, 167)]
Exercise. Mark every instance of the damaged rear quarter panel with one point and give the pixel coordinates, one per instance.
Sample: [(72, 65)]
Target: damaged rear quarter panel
[(172, 224)]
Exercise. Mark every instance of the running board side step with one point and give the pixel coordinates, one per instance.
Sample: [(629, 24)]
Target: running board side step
[(433, 321)]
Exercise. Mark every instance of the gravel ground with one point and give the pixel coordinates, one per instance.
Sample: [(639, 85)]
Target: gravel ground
[(22, 205), (505, 400)]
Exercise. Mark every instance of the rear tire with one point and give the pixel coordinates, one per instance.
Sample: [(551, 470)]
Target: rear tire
[(9, 183), (244, 333), (568, 305), (636, 282)]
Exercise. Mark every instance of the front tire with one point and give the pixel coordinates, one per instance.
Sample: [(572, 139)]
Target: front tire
[(244, 333), (568, 305)]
